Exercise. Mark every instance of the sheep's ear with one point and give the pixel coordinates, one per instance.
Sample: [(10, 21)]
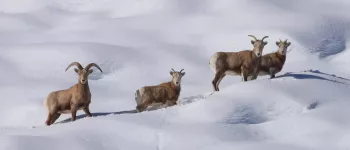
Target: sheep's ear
[(264, 43), (182, 73), (76, 70), (288, 43), (90, 71), (171, 73), (278, 43), (252, 42)]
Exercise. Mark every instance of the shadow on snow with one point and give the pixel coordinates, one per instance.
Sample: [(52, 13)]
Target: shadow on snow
[(97, 114), (311, 76)]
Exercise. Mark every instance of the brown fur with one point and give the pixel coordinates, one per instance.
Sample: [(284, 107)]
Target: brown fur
[(273, 63), (245, 63), (166, 93), (72, 99)]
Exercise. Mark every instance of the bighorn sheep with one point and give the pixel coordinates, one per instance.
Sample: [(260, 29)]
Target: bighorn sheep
[(244, 63), (166, 93), (272, 63), (72, 99)]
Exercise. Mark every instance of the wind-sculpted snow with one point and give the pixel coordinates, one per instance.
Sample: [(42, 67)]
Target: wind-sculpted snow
[(136, 43)]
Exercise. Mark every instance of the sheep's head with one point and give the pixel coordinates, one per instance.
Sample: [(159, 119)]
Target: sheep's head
[(282, 46), (83, 73), (177, 75), (258, 45)]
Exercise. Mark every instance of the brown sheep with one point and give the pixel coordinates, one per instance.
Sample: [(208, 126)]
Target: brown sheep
[(72, 99), (273, 63), (166, 93), (244, 63)]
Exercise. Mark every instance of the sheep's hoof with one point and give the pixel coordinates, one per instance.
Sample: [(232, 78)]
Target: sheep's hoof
[(47, 123), (137, 110)]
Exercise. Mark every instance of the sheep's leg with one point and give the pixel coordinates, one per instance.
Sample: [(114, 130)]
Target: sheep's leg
[(215, 80), (55, 117), (87, 111), (49, 118), (250, 78), (218, 77), (143, 106), (255, 73), (272, 73), (74, 110), (244, 74), (170, 103), (164, 104)]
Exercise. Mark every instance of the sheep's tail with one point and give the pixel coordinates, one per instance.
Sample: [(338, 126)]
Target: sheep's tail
[(138, 97)]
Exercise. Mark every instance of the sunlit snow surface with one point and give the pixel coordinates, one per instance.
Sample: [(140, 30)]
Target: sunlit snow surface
[(137, 42)]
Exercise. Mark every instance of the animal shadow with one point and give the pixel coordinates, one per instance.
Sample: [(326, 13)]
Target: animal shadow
[(150, 108), (319, 72), (310, 76), (97, 115)]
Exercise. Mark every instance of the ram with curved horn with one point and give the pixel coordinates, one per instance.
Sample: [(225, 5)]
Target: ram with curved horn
[(166, 93), (77, 97), (273, 63), (244, 63)]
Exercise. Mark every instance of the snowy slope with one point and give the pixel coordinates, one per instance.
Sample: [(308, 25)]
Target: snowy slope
[(137, 42)]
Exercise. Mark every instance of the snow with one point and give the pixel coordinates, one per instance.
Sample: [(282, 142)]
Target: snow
[(136, 43)]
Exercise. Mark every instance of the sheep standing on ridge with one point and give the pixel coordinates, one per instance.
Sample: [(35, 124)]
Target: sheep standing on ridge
[(72, 99), (244, 63), (166, 93), (273, 63)]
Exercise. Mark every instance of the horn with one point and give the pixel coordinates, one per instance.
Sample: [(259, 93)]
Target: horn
[(75, 64), (181, 70), (253, 37), (264, 38), (92, 65), (280, 39), (286, 41), (173, 70)]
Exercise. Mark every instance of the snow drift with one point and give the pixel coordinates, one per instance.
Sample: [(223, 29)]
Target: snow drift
[(136, 43)]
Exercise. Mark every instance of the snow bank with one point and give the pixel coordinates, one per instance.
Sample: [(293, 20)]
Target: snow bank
[(136, 43)]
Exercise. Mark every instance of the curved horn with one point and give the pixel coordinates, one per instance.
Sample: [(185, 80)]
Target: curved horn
[(173, 69), (253, 37), (264, 38), (75, 64), (286, 41), (181, 70), (92, 65)]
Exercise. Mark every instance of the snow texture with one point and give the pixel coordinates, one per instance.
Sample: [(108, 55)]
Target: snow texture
[(136, 43)]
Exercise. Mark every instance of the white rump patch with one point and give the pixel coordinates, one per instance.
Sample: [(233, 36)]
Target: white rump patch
[(139, 97), (45, 104), (212, 62), (142, 90)]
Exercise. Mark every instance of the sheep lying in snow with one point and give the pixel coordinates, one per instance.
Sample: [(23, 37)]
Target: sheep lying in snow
[(166, 93), (72, 99), (273, 63), (245, 63)]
